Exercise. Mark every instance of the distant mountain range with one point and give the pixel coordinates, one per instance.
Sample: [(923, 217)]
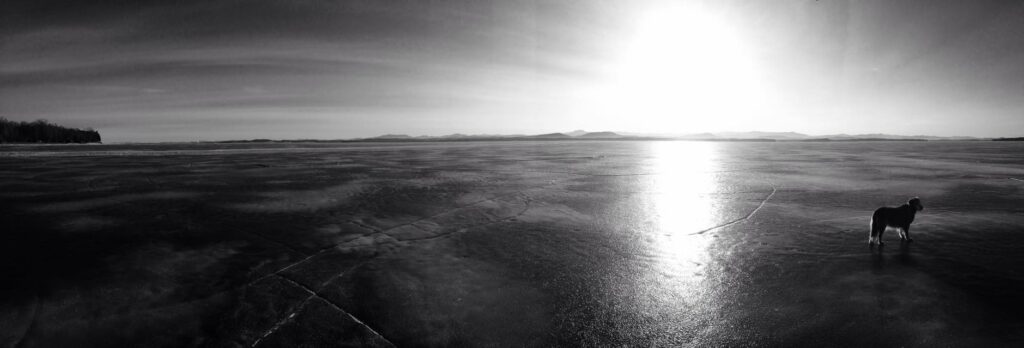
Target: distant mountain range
[(721, 136), (606, 135)]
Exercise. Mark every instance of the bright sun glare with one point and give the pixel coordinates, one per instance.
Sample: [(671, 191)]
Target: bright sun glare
[(683, 70)]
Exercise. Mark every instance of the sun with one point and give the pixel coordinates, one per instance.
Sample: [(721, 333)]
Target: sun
[(683, 69)]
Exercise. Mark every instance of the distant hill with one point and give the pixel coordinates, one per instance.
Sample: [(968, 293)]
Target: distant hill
[(757, 136), (701, 136), (762, 135), (393, 136), (552, 136), (600, 135), (42, 131), (881, 136), (794, 136), (478, 136)]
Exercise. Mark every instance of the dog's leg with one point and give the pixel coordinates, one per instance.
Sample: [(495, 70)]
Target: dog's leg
[(872, 235), (906, 234), (878, 237)]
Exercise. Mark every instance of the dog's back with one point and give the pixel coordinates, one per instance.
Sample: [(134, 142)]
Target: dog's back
[(893, 216)]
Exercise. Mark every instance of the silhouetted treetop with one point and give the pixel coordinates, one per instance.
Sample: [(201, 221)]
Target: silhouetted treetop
[(42, 131)]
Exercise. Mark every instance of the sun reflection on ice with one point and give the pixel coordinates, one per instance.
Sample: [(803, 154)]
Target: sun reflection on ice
[(673, 291), (682, 203)]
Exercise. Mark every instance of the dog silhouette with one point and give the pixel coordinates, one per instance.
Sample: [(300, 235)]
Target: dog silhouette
[(898, 217)]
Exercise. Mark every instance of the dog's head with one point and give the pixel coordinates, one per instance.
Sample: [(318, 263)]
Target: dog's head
[(916, 203)]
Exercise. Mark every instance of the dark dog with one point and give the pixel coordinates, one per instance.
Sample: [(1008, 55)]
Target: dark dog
[(899, 217)]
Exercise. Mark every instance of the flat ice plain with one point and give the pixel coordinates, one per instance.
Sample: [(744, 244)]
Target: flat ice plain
[(602, 243)]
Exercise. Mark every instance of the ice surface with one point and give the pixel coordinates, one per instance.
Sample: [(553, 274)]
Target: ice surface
[(510, 244)]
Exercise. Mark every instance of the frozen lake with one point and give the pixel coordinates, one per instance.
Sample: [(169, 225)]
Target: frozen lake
[(510, 244)]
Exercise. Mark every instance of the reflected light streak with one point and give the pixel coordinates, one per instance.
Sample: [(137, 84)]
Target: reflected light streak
[(682, 204), (673, 286)]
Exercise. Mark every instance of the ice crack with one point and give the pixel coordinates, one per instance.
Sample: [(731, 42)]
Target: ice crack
[(745, 218)]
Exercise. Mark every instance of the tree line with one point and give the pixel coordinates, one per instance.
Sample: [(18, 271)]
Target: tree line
[(42, 131)]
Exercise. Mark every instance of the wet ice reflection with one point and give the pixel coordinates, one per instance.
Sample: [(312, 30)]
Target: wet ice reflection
[(681, 204), (672, 294)]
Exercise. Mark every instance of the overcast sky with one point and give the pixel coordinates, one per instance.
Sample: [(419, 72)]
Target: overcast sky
[(158, 70)]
